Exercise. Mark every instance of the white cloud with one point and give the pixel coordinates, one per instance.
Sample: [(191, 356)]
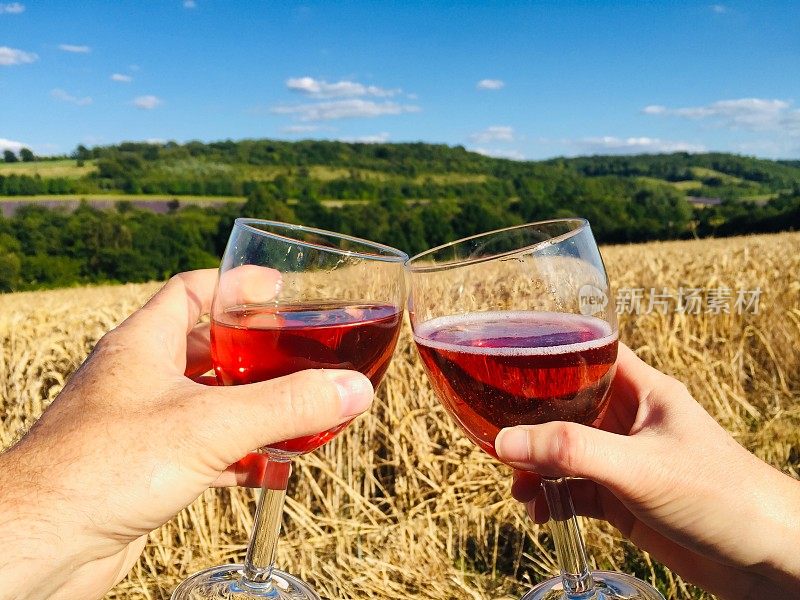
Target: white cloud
[(750, 114), (634, 145), (654, 109), (189, 4), (491, 84), (377, 138), (12, 8), (300, 128), (318, 88), (121, 78), (343, 109), (12, 56), (791, 122), (719, 8), (12, 145), (345, 100), (64, 96), (496, 133), (148, 102), (500, 153), (74, 49)]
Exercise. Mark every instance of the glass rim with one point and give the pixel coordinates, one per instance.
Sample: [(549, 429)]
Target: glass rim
[(391, 254), (581, 224)]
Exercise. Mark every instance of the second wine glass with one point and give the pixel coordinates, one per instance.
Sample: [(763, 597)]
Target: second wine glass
[(291, 298), (514, 327)]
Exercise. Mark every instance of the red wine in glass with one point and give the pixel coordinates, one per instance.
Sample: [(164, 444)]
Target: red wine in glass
[(531, 356), (289, 298), (500, 369), (256, 343)]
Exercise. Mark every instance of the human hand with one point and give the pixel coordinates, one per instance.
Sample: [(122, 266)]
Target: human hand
[(132, 440), (674, 482)]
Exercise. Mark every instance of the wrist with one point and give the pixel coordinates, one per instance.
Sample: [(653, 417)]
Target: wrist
[(780, 530), (38, 553)]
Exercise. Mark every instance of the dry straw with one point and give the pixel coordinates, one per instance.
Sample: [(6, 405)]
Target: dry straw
[(401, 505)]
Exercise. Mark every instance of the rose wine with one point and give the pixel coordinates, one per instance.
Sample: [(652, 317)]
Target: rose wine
[(498, 369), (255, 343)]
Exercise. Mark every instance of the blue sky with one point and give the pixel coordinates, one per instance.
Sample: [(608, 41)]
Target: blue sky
[(519, 79)]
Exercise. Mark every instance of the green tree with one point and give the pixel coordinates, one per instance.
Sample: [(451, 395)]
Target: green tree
[(436, 219), (26, 155), (82, 153), (10, 262), (263, 204), (51, 271), (10, 268), (9, 156), (478, 216)]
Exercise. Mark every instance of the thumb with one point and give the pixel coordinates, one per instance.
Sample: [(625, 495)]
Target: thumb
[(562, 449), (243, 418)]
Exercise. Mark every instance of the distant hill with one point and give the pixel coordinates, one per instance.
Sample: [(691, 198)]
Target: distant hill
[(354, 171), (726, 176), (411, 196)]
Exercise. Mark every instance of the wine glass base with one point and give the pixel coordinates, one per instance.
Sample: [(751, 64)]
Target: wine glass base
[(608, 586), (225, 583)]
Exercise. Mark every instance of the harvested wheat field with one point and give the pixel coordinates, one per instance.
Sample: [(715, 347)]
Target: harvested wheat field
[(401, 505)]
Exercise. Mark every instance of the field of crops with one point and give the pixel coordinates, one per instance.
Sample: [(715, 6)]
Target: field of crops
[(401, 505), (67, 168), (156, 203)]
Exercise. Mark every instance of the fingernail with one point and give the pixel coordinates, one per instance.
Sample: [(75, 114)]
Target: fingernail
[(511, 442), (355, 391), (530, 508), (511, 445)]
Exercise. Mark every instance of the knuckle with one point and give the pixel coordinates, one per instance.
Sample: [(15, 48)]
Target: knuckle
[(111, 347), (530, 448), (307, 396), (682, 389), (568, 448), (178, 278), (176, 282), (675, 388)]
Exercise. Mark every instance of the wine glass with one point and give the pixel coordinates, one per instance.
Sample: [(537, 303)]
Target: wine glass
[(290, 298), (514, 327)]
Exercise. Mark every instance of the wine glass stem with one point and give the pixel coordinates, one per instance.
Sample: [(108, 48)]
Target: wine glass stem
[(258, 563), (570, 552)]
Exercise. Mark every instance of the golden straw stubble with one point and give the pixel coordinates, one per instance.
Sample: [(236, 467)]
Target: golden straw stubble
[(402, 505)]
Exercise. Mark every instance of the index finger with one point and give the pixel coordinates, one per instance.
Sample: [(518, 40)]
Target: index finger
[(183, 300), (165, 320), (634, 379), (169, 316), (248, 284)]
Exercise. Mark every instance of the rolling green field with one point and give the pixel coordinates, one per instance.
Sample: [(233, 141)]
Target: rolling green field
[(69, 169), (685, 186), (49, 168), (344, 172), (703, 172), (409, 195), (183, 199)]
